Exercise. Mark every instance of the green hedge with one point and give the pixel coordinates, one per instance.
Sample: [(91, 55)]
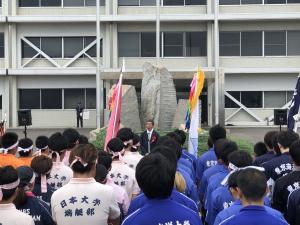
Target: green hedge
[(202, 144)]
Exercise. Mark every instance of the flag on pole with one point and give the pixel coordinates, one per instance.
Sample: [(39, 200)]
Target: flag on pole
[(294, 108), (115, 103), (192, 115)]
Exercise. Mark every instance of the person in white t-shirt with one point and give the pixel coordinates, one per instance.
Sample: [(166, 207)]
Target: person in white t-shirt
[(83, 200), (60, 174), (132, 156), (120, 193), (9, 215), (121, 173)]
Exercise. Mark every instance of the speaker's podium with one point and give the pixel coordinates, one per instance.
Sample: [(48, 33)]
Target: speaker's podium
[(280, 117), (24, 119)]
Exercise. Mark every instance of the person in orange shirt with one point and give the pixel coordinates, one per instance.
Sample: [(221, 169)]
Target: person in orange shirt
[(10, 145), (25, 150)]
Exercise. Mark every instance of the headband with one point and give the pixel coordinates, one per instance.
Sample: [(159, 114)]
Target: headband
[(20, 149), (5, 150), (10, 186), (79, 159), (30, 182), (234, 169), (118, 154), (39, 149)]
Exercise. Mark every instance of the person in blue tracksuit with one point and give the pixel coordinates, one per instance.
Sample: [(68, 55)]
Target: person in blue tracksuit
[(293, 209), (221, 196), (209, 158), (252, 188), (269, 143), (27, 202), (155, 175)]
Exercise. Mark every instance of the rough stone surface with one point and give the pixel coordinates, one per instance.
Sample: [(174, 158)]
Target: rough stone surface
[(158, 96), (130, 116), (179, 118)]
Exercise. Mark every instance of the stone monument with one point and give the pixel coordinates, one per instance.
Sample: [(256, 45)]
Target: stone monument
[(158, 96)]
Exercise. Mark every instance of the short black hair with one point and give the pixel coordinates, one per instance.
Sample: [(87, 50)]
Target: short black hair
[(252, 183), (232, 180), (58, 142), (155, 176), (25, 143), (88, 154), (260, 149), (182, 134), (295, 152), (166, 152), (269, 139), (170, 143), (41, 165), (286, 138), (136, 139), (240, 158), (115, 145), (83, 139), (9, 139), (101, 173), (8, 175), (41, 142), (176, 137), (223, 148), (217, 132), (125, 134), (72, 136), (105, 159)]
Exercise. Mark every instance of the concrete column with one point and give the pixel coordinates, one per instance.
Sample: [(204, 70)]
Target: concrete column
[(114, 7), (13, 99), (115, 55), (210, 44), (221, 97), (5, 100), (106, 46), (210, 101), (13, 7)]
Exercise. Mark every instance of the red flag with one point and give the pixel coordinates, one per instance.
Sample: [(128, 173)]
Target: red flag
[(2, 128), (115, 107)]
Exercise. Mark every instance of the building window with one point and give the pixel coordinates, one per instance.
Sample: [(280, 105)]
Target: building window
[(293, 43), (173, 44), (148, 44), (173, 2), (293, 1), (230, 43), (229, 2), (50, 3), (251, 43), (196, 43), (73, 97), (275, 1), (29, 3), (92, 51), (73, 3), (0, 101), (52, 46), (29, 99), (128, 2), (250, 2), (231, 104), (274, 99), (0, 3), (51, 98), (275, 43), (72, 46), (129, 44), (252, 99), (2, 45), (91, 98), (184, 2), (27, 51), (147, 2)]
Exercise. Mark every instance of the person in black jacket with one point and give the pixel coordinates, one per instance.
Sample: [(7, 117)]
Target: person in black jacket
[(79, 114), (148, 138)]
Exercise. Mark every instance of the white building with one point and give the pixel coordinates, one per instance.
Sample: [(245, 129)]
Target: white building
[(48, 50)]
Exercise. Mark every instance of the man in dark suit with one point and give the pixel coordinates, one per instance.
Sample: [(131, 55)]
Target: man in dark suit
[(79, 114), (149, 138)]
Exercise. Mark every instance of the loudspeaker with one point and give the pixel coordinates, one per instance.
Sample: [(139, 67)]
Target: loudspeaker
[(280, 116), (24, 117)]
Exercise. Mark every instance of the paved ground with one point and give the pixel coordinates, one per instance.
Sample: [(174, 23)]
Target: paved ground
[(252, 134)]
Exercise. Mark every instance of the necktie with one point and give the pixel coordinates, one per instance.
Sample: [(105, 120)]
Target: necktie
[(149, 138)]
